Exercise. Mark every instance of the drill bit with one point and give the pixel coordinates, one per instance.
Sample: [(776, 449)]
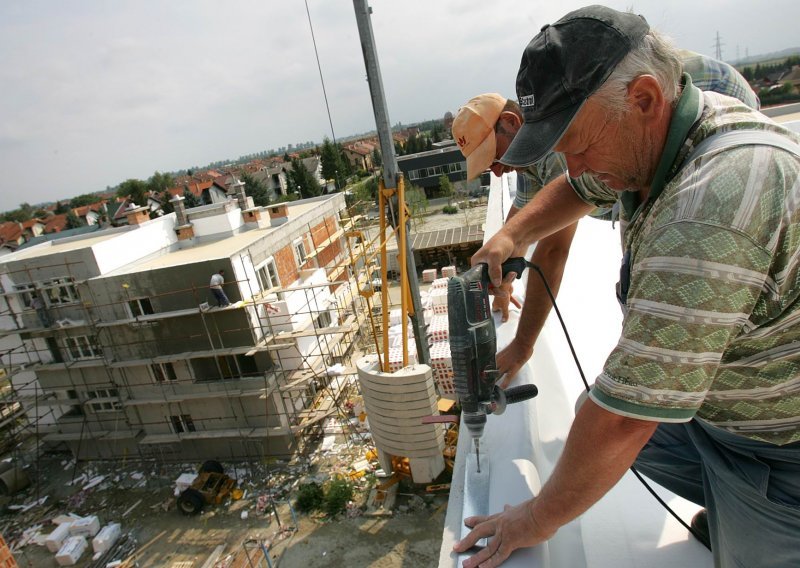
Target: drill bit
[(478, 453)]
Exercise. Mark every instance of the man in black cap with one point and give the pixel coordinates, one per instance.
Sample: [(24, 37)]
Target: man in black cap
[(702, 391)]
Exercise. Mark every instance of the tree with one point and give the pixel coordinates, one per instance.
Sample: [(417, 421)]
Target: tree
[(81, 200), (301, 179), (73, 221), (256, 189), (62, 207), (333, 166), (747, 73), (135, 190), (417, 201), (446, 188), (377, 159), (159, 183), (189, 200)]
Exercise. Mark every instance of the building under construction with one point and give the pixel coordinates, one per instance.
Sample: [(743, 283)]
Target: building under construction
[(114, 347)]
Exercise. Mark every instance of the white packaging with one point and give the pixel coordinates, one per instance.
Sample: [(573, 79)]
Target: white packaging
[(87, 526), (71, 552), (55, 539), (184, 481), (106, 538)]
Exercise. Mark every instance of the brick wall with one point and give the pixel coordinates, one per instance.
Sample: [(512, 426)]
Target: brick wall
[(319, 234), (287, 267)]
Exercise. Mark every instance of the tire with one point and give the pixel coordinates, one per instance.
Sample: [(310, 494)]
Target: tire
[(190, 502), (211, 466)]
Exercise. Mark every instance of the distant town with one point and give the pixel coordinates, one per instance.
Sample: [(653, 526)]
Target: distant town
[(303, 170)]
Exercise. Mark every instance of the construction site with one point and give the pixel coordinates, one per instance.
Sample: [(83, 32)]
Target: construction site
[(117, 359)]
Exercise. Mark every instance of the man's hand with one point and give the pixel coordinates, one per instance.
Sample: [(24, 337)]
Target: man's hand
[(514, 528), (499, 249), (511, 359), (503, 296)]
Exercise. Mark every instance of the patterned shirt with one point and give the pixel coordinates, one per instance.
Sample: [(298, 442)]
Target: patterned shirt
[(712, 328)]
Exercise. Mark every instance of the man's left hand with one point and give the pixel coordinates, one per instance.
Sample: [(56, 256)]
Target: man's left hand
[(514, 528)]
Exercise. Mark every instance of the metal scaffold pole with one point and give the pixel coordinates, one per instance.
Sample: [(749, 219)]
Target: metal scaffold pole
[(392, 192)]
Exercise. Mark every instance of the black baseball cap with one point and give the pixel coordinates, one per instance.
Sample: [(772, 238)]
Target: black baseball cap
[(561, 67)]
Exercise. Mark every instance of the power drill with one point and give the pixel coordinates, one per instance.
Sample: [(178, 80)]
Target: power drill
[(473, 346)]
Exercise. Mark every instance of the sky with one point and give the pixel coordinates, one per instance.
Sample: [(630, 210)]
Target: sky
[(96, 92)]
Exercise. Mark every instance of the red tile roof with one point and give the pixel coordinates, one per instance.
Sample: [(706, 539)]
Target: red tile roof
[(56, 223)]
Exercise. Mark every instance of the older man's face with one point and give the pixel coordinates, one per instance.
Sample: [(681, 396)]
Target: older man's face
[(613, 151)]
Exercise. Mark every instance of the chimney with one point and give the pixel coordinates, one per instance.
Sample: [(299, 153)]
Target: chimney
[(237, 188), (137, 215), (278, 214), (182, 225)]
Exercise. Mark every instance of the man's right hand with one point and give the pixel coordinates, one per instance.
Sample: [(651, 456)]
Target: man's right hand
[(510, 360), (499, 249)]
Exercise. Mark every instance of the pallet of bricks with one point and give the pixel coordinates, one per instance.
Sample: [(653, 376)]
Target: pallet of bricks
[(6, 558)]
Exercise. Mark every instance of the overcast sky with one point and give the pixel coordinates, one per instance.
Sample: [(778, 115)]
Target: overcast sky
[(96, 92)]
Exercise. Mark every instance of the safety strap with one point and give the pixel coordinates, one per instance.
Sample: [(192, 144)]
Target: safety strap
[(731, 138)]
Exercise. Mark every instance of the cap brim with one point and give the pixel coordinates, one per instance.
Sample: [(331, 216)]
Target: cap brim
[(481, 157), (535, 139)]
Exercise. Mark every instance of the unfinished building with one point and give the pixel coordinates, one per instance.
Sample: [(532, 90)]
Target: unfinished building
[(114, 347)]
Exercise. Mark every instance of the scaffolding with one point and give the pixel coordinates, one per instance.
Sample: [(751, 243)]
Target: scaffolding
[(91, 363)]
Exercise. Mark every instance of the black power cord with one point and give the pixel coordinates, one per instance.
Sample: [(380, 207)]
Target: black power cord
[(586, 385)]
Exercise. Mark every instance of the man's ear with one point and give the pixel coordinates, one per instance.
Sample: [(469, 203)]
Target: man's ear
[(646, 96), (511, 120)]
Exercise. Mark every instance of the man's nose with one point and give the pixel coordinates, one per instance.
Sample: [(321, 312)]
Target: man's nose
[(575, 165), (497, 168)]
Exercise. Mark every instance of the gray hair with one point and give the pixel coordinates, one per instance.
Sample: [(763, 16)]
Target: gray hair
[(656, 55)]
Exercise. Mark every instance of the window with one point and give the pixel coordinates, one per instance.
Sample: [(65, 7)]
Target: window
[(323, 320), (104, 400), (182, 423), (413, 174), (163, 372), (140, 307), (83, 347), (60, 291), (267, 275), (25, 292), (300, 251)]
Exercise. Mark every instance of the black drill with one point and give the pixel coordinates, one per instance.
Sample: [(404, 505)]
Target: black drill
[(473, 346)]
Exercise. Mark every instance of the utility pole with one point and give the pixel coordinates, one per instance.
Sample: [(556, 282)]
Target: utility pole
[(718, 47), (391, 197)]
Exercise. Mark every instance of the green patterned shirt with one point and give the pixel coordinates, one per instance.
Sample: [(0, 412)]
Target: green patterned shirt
[(712, 328)]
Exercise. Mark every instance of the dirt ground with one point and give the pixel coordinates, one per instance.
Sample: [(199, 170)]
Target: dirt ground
[(141, 499)]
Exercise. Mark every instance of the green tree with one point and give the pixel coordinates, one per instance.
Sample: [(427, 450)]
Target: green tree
[(417, 202), (256, 189), (189, 200), (135, 190), (747, 73), (159, 183), (333, 166), (81, 200), (73, 221), (301, 179), (446, 188), (377, 159), (62, 207)]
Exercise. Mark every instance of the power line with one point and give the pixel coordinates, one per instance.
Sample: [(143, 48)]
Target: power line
[(321, 79)]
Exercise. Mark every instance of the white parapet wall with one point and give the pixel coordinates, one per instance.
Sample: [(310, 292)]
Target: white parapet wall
[(396, 403)]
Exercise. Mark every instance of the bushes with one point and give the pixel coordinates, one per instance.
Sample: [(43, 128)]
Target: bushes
[(309, 497), (339, 492), (450, 209), (332, 500)]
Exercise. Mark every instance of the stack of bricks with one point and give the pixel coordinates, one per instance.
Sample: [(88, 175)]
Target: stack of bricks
[(448, 271), (442, 366), (438, 297), (439, 328), (6, 558), (429, 275), (396, 353)]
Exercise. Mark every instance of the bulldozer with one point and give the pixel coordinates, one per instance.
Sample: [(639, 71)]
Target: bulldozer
[(211, 486)]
